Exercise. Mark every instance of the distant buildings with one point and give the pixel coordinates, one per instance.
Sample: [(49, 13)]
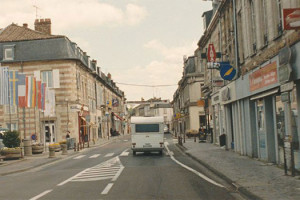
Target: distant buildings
[(155, 107), (81, 99)]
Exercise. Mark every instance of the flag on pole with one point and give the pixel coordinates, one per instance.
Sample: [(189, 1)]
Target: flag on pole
[(43, 95), (22, 91), (39, 94), (50, 103), (13, 87), (30, 91), (4, 85)]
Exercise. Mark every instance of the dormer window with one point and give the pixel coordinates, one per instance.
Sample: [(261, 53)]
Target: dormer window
[(8, 51)]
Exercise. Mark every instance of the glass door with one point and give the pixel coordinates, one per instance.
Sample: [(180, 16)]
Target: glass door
[(261, 129)]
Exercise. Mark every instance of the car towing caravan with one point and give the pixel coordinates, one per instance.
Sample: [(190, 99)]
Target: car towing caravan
[(147, 134)]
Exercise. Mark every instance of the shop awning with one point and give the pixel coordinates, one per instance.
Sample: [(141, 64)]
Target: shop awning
[(264, 94)]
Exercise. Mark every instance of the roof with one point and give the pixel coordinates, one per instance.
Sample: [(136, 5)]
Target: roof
[(14, 32), (147, 120)]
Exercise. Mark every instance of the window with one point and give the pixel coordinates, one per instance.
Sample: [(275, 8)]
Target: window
[(8, 51), (13, 126), (279, 18), (143, 128), (13, 109), (47, 78)]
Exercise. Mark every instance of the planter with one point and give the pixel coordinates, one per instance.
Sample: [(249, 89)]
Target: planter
[(55, 146), (36, 149), (11, 153)]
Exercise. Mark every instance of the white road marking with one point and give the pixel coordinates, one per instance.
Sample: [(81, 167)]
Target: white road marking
[(110, 169), (109, 155), (95, 156), (124, 153), (40, 195), (78, 157), (192, 170), (107, 188)]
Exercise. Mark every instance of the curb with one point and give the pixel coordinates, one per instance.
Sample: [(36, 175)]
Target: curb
[(242, 190)]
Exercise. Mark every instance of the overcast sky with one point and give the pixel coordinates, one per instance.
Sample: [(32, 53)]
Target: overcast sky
[(138, 41)]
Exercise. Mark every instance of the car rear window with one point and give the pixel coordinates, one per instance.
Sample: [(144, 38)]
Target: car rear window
[(142, 128)]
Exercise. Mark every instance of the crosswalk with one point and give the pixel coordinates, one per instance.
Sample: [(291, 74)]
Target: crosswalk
[(97, 155), (110, 169)]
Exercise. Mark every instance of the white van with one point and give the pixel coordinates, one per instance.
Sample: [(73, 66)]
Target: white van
[(147, 134)]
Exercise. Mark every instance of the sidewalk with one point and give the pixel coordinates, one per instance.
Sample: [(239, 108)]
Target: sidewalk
[(251, 177), (36, 160)]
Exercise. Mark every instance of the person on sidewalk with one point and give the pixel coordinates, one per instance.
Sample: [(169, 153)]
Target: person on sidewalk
[(68, 135)]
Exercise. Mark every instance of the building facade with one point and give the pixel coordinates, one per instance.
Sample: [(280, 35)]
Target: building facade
[(80, 99), (258, 109), (188, 105)]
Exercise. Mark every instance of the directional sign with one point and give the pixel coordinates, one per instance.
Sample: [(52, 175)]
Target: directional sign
[(227, 72), (211, 53)]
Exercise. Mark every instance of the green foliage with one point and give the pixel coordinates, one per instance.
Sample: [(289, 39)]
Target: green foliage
[(11, 139)]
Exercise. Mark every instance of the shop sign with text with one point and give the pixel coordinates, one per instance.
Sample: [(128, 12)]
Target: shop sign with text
[(263, 77)]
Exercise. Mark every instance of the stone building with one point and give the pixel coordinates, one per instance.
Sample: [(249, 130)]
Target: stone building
[(84, 100), (189, 113), (258, 109)]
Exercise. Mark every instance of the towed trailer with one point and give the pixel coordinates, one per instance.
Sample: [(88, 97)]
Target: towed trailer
[(147, 134)]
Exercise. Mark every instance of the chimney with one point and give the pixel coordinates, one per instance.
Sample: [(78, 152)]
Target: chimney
[(94, 62), (25, 25), (43, 25), (109, 75)]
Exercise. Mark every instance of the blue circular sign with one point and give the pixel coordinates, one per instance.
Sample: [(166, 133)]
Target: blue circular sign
[(227, 72)]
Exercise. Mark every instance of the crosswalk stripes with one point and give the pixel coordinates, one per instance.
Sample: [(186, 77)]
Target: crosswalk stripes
[(78, 157), (124, 154), (95, 156), (109, 155), (110, 169)]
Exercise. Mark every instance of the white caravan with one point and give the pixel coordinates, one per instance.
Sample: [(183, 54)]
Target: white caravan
[(147, 134)]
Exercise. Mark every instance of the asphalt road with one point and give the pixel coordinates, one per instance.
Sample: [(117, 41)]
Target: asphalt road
[(112, 172)]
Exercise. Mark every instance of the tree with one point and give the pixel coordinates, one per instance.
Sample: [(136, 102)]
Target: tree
[(11, 139)]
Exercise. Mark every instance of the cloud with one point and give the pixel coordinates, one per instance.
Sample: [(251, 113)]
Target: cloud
[(71, 14), (167, 71)]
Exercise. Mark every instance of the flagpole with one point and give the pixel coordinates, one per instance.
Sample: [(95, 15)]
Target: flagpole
[(9, 101)]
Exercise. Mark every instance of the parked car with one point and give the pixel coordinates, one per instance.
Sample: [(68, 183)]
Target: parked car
[(166, 129), (192, 133)]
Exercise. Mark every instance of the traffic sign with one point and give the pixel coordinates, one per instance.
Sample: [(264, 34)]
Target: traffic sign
[(211, 53), (227, 72)]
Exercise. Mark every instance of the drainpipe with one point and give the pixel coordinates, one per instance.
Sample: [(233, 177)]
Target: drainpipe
[(235, 40)]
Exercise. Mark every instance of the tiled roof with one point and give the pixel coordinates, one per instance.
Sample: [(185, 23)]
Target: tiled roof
[(14, 32)]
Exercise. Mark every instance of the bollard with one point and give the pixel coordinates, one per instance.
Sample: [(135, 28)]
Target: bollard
[(194, 138), (64, 149), (51, 152), (78, 146), (74, 146), (27, 147)]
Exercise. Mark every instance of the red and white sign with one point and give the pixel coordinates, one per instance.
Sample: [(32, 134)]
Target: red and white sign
[(263, 77), (211, 53), (291, 18)]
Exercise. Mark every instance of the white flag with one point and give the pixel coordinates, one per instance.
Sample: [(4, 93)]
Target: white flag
[(4, 86), (50, 103)]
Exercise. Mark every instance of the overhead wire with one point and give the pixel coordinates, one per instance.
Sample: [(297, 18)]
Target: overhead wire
[(141, 85)]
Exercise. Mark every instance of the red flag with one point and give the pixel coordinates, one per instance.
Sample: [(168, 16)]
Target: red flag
[(39, 94)]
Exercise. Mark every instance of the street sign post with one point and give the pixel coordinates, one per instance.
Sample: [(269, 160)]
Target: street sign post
[(211, 53)]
